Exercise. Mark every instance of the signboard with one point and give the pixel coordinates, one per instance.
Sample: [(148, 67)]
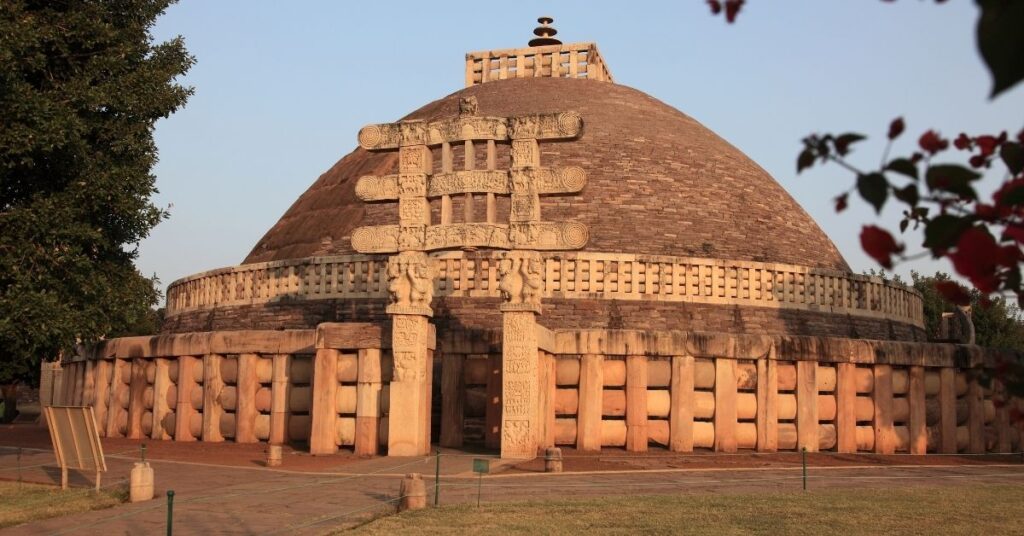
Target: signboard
[(481, 466), (76, 441)]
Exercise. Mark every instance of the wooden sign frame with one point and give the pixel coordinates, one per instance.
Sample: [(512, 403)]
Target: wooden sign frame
[(76, 440)]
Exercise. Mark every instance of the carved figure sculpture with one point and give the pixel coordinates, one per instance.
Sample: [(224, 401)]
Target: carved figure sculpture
[(410, 282)]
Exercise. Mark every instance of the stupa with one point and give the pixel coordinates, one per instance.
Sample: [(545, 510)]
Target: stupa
[(545, 257)]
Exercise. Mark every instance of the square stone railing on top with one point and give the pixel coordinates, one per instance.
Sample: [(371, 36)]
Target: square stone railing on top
[(575, 60)]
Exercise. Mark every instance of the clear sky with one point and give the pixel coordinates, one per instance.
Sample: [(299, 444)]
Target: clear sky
[(283, 87)]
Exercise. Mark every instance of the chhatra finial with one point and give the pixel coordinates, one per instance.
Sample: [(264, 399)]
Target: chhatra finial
[(545, 33)]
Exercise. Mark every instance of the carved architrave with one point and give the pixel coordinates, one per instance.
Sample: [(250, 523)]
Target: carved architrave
[(410, 284), (522, 281), (562, 125), (464, 182), (537, 235), (546, 236), (561, 180), (376, 239), (460, 235), (375, 188), (545, 126)]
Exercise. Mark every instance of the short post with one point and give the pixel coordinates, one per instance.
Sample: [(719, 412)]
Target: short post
[(273, 455), (553, 460), (141, 482), (142, 448), (803, 456), (170, 512), (437, 480), (413, 494), (19, 467)]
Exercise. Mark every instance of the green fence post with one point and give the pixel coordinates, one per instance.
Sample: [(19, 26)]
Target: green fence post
[(437, 480), (170, 512), (19, 467), (803, 457), (143, 449)]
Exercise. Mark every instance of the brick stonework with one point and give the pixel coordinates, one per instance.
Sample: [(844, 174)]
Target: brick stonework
[(658, 183), (457, 314)]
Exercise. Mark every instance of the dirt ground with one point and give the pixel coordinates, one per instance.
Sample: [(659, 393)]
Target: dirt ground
[(296, 458)]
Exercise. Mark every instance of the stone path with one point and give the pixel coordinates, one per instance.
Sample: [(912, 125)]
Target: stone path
[(252, 500)]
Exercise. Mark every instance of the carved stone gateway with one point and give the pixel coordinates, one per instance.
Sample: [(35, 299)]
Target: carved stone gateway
[(409, 272)]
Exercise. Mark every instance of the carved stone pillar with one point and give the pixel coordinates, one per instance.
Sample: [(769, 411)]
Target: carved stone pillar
[(410, 284), (521, 289)]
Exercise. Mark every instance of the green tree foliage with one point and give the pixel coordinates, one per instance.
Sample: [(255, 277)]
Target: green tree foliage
[(998, 323), (82, 84)]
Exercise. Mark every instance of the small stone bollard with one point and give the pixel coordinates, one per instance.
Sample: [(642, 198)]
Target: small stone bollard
[(553, 460), (413, 493), (274, 455), (141, 482)]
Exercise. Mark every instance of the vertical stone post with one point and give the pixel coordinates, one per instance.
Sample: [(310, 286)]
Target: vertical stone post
[(279, 388), (680, 427), (122, 370), (807, 405), (323, 437), (916, 399), (725, 405), (520, 411), (101, 372), (768, 403), (246, 386), (975, 415), (184, 410), (846, 407), (885, 442), (368, 402), (947, 410), (136, 396), (591, 401), (213, 384), (636, 403), (161, 383), (411, 289)]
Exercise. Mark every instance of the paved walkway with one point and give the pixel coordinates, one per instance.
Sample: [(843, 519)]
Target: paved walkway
[(252, 500)]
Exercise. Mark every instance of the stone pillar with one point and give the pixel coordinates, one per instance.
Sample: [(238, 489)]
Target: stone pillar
[(520, 412), (411, 288)]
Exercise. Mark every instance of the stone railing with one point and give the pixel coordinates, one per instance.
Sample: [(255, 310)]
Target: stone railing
[(575, 60), (583, 275)]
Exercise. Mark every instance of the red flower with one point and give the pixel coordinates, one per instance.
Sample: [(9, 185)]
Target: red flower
[(732, 8), (962, 142), (841, 203), (879, 244), (978, 161), (987, 144), (896, 128), (953, 292), (931, 141), (716, 6), (1015, 232), (976, 257)]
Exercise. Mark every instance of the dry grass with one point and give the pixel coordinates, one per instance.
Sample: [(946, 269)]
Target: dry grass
[(997, 509), (30, 502)]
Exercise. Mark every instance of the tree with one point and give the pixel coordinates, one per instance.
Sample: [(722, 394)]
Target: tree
[(997, 323), (82, 85)]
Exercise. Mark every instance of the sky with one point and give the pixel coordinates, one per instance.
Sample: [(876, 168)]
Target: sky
[(282, 88)]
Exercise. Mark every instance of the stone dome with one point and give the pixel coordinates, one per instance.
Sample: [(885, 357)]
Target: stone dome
[(673, 228), (658, 183)]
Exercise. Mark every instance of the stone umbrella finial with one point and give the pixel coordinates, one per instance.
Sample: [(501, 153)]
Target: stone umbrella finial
[(545, 33)]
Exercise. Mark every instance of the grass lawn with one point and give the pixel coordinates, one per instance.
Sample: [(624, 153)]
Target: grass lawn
[(988, 510), (30, 502)]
